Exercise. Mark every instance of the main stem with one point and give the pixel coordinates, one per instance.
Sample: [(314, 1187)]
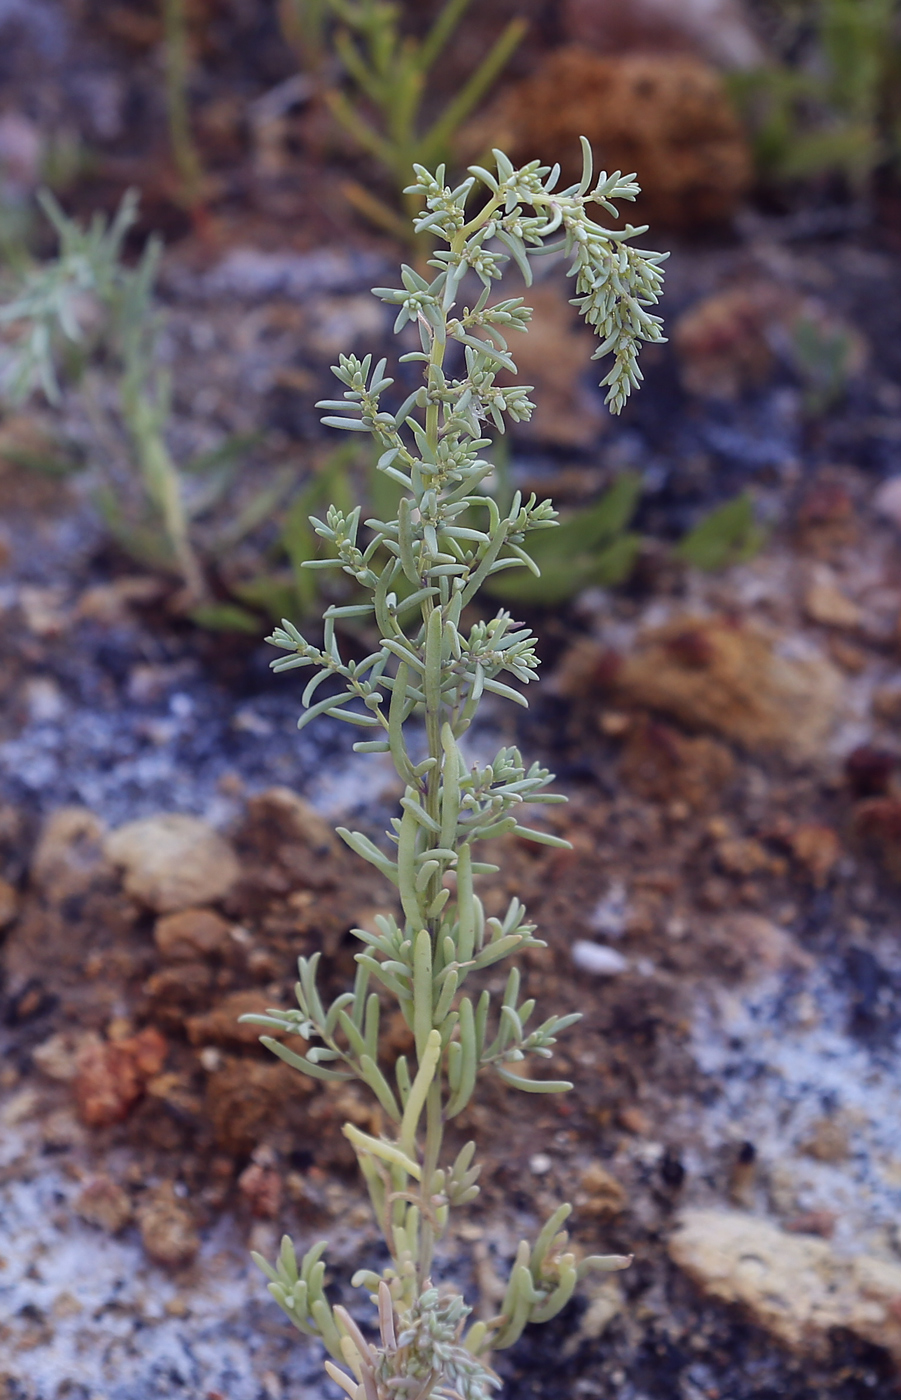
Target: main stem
[(434, 1103)]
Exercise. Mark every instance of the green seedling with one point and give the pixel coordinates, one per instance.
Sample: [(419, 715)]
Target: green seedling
[(728, 534), (825, 357), (592, 546), (415, 696), (388, 73)]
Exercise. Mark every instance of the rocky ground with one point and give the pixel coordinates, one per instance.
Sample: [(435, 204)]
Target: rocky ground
[(727, 920)]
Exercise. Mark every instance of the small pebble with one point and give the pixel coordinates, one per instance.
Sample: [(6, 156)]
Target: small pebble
[(598, 958), (540, 1164)]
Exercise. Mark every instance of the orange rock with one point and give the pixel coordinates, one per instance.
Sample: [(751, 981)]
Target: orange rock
[(817, 848), (110, 1076), (190, 934), (221, 1026), (668, 117), (9, 903)]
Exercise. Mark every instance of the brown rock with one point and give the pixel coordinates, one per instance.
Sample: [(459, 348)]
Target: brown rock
[(795, 1286), (826, 518), (294, 817), (813, 1222), (167, 1226), (177, 989), (878, 820), (9, 903), (110, 1076), (103, 1202), (635, 1120), (191, 934), (668, 118), (719, 30), (887, 703), (713, 674), (722, 342), (664, 765), (220, 1026), (869, 770), (108, 603), (173, 861), (69, 858), (741, 855), (261, 1186), (600, 1193), (246, 1098)]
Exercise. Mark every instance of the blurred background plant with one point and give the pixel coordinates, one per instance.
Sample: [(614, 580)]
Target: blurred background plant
[(830, 103), (87, 304), (381, 98), (185, 153)]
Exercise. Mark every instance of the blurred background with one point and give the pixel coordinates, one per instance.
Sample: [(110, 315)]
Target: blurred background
[(195, 198)]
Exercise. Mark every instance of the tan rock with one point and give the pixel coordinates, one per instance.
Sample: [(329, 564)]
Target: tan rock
[(733, 679), (817, 848), (167, 1226), (554, 357), (824, 602), (828, 1141), (108, 603), (600, 1193), (795, 1286), (57, 1057), (190, 934), (756, 946), (69, 858), (741, 855), (104, 1203), (173, 861)]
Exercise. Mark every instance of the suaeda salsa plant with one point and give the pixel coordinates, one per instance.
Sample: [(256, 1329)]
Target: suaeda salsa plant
[(418, 692)]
